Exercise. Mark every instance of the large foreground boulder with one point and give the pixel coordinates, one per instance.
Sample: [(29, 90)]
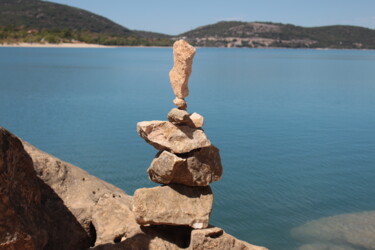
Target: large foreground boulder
[(173, 205), (32, 214), (23, 225), (96, 205)]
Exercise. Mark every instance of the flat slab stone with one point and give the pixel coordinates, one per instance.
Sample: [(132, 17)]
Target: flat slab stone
[(173, 205), (164, 135), (198, 168)]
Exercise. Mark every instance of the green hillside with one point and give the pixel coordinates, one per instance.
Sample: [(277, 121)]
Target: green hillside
[(37, 21), (266, 34), (46, 15), (40, 21)]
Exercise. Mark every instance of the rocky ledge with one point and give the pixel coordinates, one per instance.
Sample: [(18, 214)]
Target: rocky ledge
[(46, 203)]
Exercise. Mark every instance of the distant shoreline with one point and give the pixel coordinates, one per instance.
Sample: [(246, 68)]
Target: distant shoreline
[(91, 45), (69, 45)]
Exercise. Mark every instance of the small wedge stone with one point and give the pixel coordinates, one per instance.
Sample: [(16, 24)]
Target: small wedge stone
[(197, 120), (180, 103), (178, 116)]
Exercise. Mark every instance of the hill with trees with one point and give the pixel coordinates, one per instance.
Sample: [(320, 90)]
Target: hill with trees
[(40, 21), (267, 34), (37, 21)]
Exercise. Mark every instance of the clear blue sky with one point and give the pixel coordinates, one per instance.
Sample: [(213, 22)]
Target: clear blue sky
[(175, 16)]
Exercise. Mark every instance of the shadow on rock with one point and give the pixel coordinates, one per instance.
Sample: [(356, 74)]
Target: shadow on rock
[(154, 237), (64, 231)]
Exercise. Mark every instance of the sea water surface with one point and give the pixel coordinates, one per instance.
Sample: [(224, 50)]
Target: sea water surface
[(295, 128)]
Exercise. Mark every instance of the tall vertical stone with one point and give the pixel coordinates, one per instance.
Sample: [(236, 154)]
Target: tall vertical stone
[(180, 73)]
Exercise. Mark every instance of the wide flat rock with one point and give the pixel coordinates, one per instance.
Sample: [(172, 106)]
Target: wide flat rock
[(164, 135), (197, 168), (173, 205)]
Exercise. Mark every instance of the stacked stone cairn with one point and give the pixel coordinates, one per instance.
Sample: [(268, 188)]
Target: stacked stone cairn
[(186, 164)]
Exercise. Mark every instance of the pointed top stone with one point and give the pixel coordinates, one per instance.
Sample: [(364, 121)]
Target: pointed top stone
[(179, 75)]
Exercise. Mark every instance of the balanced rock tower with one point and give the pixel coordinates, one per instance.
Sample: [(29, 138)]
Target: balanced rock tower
[(186, 163)]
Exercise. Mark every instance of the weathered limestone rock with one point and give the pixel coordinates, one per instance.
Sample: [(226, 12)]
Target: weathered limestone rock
[(179, 237), (173, 205), (180, 103), (164, 135), (179, 75), (197, 120), (161, 237), (178, 116), (198, 168), (22, 222), (113, 219), (90, 209), (164, 166), (72, 209), (216, 238)]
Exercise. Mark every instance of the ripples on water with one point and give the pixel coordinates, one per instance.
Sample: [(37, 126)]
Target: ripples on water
[(296, 128)]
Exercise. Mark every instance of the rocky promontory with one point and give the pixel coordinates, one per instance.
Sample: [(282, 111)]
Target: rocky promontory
[(46, 203)]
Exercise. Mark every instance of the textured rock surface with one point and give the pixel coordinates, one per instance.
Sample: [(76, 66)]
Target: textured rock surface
[(67, 208), (154, 237), (91, 203), (179, 237), (23, 224), (179, 75), (176, 205), (197, 120), (113, 219), (164, 167), (216, 238), (180, 103), (197, 168), (176, 138), (178, 116)]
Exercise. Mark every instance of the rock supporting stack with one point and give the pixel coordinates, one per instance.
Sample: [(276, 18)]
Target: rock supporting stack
[(186, 163)]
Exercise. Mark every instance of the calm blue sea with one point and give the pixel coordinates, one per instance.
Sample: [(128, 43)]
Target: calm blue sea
[(296, 128)]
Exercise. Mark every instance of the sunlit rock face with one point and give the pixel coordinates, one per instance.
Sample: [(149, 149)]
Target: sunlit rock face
[(346, 231), (179, 75)]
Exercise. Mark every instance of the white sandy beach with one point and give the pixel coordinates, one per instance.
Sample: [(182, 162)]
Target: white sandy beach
[(70, 45), (56, 45)]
